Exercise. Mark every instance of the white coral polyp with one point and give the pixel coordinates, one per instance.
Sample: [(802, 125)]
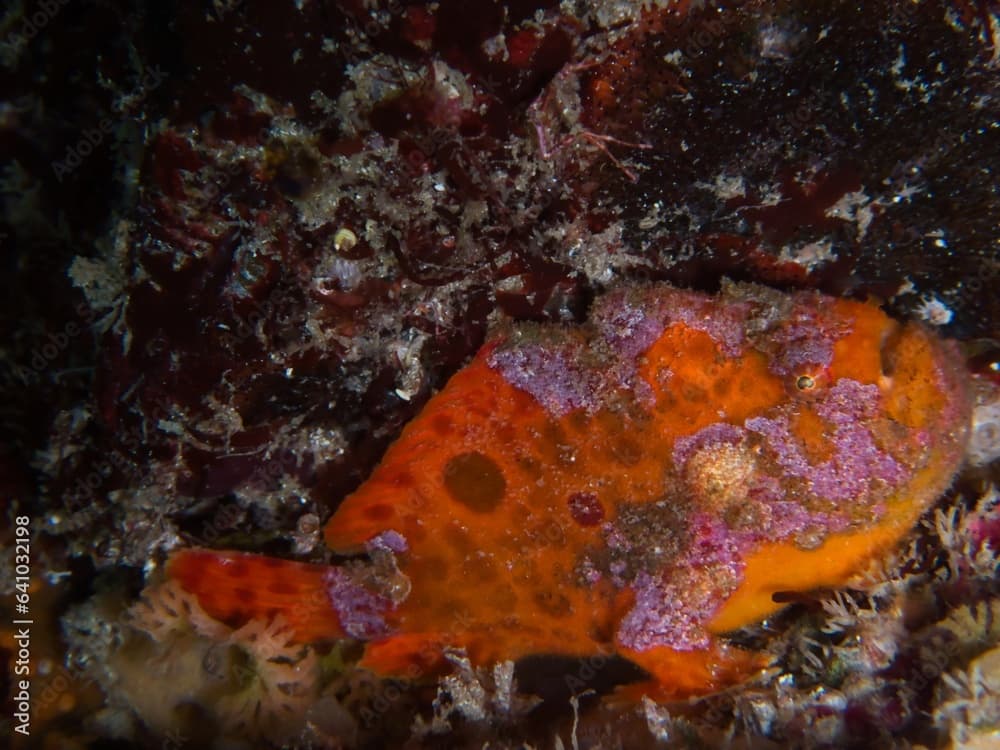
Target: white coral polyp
[(167, 610), (270, 682), (278, 683)]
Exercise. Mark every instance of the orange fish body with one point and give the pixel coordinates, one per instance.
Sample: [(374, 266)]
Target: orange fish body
[(639, 484)]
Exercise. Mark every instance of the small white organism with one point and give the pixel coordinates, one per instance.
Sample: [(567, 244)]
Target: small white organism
[(934, 311)]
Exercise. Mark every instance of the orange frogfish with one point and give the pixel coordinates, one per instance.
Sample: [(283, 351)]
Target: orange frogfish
[(639, 484)]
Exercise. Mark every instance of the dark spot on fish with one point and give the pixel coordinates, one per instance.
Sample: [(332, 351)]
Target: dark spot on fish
[(585, 508), (379, 512), (442, 424), (553, 603), (479, 569), (721, 387), (627, 451), (475, 481), (237, 569), (529, 466)]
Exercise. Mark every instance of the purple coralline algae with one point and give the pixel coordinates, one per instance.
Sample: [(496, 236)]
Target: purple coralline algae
[(554, 378), (360, 611), (857, 460)]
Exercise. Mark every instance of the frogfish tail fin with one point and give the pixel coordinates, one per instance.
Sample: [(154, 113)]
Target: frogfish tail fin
[(236, 587)]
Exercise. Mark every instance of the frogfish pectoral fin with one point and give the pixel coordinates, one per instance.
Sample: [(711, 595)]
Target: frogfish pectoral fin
[(678, 675), (235, 587), (412, 656)]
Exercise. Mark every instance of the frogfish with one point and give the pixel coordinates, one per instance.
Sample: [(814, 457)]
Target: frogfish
[(639, 484)]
